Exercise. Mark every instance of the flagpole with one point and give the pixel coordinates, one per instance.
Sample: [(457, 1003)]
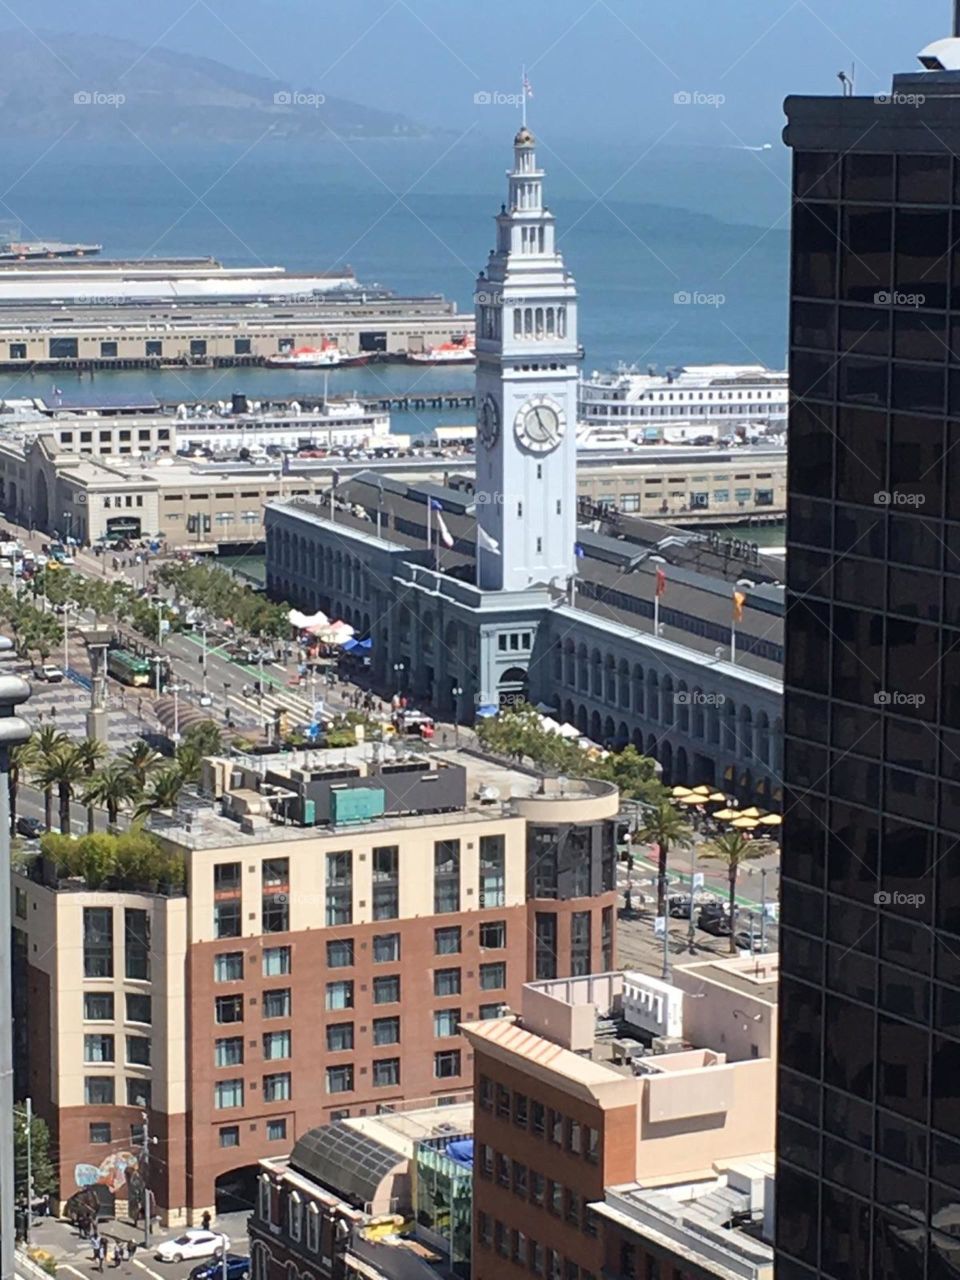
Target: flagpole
[(733, 640), (523, 96), (656, 611)]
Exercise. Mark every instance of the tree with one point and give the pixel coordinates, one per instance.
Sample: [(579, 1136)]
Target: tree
[(111, 788), (140, 761), (63, 769), (22, 761), (90, 752), (633, 773), (733, 847), (205, 737), (164, 792), (42, 1168), (46, 743), (663, 826)]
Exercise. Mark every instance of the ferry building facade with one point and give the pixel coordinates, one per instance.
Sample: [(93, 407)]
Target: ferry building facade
[(511, 631)]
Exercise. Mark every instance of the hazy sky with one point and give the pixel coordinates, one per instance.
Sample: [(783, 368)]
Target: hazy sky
[(608, 65)]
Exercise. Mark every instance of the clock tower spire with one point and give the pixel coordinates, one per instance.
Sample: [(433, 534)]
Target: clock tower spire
[(527, 380)]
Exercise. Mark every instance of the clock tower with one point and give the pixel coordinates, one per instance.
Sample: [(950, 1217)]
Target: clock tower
[(528, 362)]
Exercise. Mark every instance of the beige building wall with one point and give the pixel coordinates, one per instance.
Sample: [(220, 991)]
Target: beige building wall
[(719, 1012), (742, 486)]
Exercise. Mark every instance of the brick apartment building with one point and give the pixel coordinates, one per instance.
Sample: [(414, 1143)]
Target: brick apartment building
[(571, 1102), (317, 966)]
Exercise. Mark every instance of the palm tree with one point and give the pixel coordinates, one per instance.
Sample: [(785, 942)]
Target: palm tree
[(140, 761), (164, 792), (111, 787), (22, 760), (733, 847), (46, 743), (63, 770), (664, 826), (90, 752)]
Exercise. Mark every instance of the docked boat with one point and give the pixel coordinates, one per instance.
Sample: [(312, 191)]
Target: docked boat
[(328, 356), (693, 401), (460, 350)]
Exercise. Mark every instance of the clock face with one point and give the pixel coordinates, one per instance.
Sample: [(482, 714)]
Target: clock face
[(488, 422), (539, 425)]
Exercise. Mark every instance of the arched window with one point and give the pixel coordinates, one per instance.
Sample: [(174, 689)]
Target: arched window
[(539, 322), (528, 322), (540, 239), (264, 1198), (551, 315), (295, 1215), (517, 322), (313, 1228), (561, 322)]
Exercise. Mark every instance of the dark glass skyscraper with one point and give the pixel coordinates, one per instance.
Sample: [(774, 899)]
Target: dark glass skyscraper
[(869, 1133)]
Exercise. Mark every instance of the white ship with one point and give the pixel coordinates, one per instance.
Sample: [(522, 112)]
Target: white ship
[(327, 356), (341, 424), (683, 405), (459, 350)]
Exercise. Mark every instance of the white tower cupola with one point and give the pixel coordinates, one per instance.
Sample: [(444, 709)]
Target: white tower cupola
[(527, 381)]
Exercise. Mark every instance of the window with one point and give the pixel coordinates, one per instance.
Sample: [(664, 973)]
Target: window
[(520, 1110), (276, 1044), (386, 990), (554, 1127), (99, 1091), (386, 1031), (485, 1093), (493, 934), (339, 1036), (519, 1179), (339, 995), (484, 1228), (503, 1102), (98, 1006), (226, 919), (580, 943), (446, 875), (503, 1170), (138, 1093), (139, 1009), (276, 1087), (339, 888), (229, 1009), (136, 944), (386, 1072), (386, 882), (446, 1064), (492, 871), (228, 1052), (276, 1004), (228, 966), (591, 1145), (230, 1135), (227, 900), (276, 962), (446, 982), (138, 1050), (537, 1119), (340, 954), (97, 942), (493, 976), (98, 1048), (386, 948), (277, 1132), (445, 1022), (339, 1079), (489, 1011), (227, 1093), (545, 945), (99, 1134), (446, 942), (537, 1187), (275, 902)]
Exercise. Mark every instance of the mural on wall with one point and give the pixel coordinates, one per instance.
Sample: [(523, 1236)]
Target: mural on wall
[(112, 1172)]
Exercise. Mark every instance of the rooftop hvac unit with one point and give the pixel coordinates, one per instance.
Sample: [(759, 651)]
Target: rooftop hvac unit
[(669, 1044)]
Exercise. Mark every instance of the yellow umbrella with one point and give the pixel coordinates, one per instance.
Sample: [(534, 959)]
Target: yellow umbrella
[(691, 799), (752, 812), (681, 791), (745, 824), (771, 820), (702, 790), (726, 814), (717, 797)]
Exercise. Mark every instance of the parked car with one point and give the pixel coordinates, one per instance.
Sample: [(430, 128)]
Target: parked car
[(31, 828), (193, 1243), (713, 919), (50, 672), (238, 1268)]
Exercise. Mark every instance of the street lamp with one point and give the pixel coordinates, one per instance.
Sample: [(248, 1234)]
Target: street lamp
[(399, 668), (14, 732), (456, 693)]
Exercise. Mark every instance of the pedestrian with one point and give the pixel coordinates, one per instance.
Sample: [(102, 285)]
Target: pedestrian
[(101, 1253), (131, 1249), (118, 1254), (205, 1220)]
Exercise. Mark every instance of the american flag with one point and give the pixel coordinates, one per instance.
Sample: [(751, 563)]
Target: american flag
[(527, 86)]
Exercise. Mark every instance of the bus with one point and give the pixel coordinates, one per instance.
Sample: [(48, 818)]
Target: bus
[(128, 668)]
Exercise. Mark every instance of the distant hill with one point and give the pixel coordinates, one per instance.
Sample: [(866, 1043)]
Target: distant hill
[(99, 88)]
